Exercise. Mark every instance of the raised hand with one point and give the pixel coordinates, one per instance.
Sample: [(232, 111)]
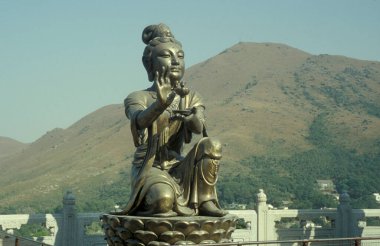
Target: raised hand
[(165, 93)]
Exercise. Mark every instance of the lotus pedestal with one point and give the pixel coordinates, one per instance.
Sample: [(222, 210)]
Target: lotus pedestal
[(155, 231)]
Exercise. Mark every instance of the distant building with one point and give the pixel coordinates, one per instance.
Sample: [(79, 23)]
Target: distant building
[(236, 206), (327, 187), (325, 184), (377, 197)]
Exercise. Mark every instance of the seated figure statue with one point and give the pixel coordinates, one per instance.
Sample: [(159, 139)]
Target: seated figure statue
[(163, 119)]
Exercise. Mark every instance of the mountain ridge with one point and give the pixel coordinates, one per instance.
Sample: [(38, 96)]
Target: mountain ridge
[(9, 146), (262, 99)]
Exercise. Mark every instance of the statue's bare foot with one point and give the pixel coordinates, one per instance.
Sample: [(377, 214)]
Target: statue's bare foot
[(151, 213), (185, 211), (166, 214), (210, 209)]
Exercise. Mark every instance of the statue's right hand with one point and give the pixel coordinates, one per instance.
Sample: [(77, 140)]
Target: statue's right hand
[(165, 93)]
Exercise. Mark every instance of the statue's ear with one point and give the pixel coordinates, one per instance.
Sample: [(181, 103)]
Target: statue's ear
[(150, 75), (148, 67)]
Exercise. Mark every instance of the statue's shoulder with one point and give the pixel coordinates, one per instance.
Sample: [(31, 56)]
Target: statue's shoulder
[(143, 97), (195, 99), (142, 93)]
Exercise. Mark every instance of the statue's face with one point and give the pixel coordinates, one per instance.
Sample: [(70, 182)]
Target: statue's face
[(170, 56)]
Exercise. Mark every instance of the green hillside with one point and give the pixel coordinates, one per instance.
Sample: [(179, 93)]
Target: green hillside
[(286, 119)]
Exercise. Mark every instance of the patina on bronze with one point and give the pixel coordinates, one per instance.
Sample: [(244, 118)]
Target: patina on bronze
[(166, 184), (163, 119)]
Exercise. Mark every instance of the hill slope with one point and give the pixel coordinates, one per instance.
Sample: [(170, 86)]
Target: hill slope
[(10, 146), (276, 109)]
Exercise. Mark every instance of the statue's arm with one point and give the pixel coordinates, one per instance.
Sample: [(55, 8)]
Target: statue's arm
[(165, 96), (138, 110), (195, 122), (145, 118)]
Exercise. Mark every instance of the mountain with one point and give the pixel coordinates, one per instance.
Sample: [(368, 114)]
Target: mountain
[(278, 111), (10, 146), (89, 153)]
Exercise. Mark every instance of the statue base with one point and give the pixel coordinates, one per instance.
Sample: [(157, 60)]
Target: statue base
[(158, 231)]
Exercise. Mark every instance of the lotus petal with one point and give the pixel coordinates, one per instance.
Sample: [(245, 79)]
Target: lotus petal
[(123, 233), (134, 242), (109, 242), (109, 232), (145, 236), (134, 225), (197, 236), (217, 235), (172, 237), (229, 232), (117, 241), (157, 243), (225, 240), (226, 224), (158, 226), (113, 221), (184, 243), (207, 242), (209, 226), (186, 227)]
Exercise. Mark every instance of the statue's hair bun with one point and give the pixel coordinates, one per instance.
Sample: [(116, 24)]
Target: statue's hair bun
[(153, 31)]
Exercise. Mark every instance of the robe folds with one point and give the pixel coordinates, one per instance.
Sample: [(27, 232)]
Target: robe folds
[(158, 158)]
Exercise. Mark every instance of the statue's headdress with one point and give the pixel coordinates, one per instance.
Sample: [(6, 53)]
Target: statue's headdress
[(153, 35), (153, 31)]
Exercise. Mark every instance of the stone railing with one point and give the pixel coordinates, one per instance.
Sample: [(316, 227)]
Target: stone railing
[(263, 224), (284, 224), (9, 223), (66, 229)]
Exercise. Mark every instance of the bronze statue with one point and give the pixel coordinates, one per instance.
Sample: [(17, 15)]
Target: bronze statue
[(163, 119)]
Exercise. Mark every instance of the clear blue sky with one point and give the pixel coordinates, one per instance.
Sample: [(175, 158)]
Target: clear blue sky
[(60, 60)]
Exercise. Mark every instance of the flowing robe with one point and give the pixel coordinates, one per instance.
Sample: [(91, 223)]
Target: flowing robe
[(158, 157)]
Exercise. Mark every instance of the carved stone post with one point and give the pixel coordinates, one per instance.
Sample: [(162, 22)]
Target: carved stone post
[(262, 216), (344, 216), (69, 230)]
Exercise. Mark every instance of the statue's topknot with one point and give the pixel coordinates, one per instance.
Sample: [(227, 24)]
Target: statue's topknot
[(153, 31)]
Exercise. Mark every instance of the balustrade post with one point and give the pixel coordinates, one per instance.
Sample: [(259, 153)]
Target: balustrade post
[(262, 216), (344, 216), (69, 220), (357, 242)]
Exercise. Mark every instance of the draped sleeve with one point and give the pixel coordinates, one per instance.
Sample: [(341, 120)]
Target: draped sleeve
[(134, 104), (194, 100)]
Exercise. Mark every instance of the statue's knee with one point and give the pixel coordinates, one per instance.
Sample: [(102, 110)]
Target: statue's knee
[(159, 198), (211, 148), (209, 169)]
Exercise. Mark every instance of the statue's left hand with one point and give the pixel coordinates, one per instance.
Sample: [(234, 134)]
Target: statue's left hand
[(178, 116), (193, 122), (183, 115)]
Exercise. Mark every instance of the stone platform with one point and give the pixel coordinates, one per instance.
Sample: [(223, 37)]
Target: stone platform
[(157, 231)]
